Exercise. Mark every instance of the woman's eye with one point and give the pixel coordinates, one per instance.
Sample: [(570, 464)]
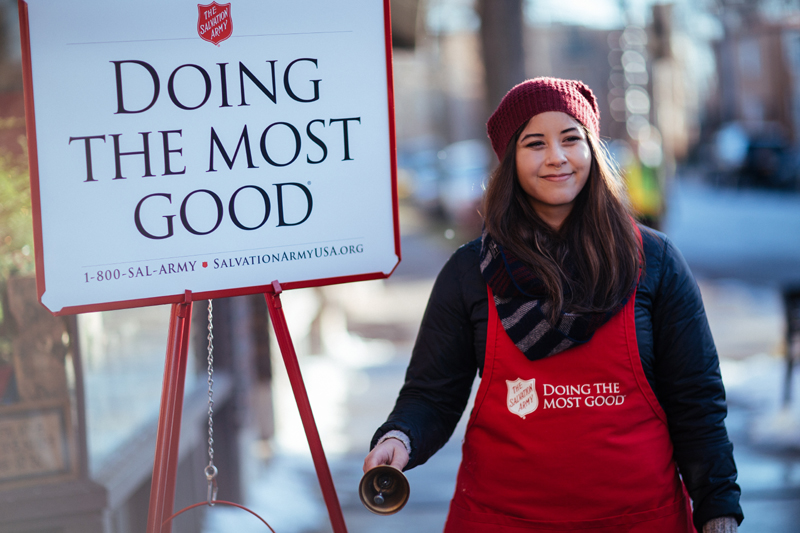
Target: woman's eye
[(534, 144), (572, 138)]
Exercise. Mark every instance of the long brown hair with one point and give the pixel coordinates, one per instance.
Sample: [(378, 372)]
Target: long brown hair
[(591, 262)]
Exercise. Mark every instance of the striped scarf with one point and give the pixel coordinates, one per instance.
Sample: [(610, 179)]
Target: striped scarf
[(522, 306)]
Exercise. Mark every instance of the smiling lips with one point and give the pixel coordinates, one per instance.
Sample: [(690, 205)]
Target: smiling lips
[(557, 177)]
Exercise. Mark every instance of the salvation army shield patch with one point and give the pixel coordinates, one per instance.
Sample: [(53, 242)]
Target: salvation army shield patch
[(522, 398), (214, 23)]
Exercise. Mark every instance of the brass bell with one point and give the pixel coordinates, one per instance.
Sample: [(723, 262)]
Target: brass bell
[(384, 490)]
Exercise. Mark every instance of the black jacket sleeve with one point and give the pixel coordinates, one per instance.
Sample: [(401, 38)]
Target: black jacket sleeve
[(687, 382), (443, 363)]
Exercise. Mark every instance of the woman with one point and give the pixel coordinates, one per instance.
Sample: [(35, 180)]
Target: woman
[(600, 403)]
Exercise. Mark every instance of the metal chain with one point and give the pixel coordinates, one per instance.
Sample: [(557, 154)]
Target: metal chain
[(211, 471)]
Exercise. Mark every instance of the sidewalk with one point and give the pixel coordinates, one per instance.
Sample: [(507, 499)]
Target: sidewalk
[(765, 433), (368, 331)]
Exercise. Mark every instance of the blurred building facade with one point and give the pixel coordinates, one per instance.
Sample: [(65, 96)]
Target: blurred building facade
[(647, 93), (759, 76), (753, 122)]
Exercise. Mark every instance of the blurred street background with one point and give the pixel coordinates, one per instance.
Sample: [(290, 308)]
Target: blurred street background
[(700, 107)]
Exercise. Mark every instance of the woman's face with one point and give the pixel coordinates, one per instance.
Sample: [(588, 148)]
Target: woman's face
[(553, 162)]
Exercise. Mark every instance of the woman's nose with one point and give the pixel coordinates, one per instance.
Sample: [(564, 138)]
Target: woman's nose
[(555, 156)]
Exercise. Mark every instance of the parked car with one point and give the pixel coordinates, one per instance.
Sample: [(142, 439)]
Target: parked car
[(754, 158), (770, 163)]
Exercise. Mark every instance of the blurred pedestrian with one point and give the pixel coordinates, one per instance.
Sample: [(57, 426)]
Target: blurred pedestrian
[(600, 404)]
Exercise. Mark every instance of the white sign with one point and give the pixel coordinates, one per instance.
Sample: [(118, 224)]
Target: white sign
[(207, 147)]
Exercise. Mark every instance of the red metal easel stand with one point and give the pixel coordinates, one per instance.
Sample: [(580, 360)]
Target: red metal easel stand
[(304, 406), (165, 466)]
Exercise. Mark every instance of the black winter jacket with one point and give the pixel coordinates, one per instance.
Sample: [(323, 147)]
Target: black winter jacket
[(675, 345)]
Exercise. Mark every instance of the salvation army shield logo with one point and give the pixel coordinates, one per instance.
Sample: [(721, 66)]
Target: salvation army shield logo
[(522, 398), (214, 22)]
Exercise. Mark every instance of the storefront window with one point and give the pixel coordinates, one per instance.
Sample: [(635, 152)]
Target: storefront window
[(38, 415), (123, 364)]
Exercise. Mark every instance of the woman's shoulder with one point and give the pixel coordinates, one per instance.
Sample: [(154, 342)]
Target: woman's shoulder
[(461, 274), (663, 260), (659, 248), (654, 242), (470, 251), (466, 259)]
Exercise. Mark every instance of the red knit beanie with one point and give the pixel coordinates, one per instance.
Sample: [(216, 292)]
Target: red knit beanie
[(538, 95)]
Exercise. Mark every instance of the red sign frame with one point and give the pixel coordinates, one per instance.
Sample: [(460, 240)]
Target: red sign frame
[(30, 120)]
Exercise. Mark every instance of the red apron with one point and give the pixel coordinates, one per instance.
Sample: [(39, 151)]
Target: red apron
[(573, 442)]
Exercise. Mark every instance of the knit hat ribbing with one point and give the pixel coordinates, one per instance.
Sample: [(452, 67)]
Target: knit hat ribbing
[(539, 95)]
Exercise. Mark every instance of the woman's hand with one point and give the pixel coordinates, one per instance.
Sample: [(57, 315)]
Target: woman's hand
[(390, 452)]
